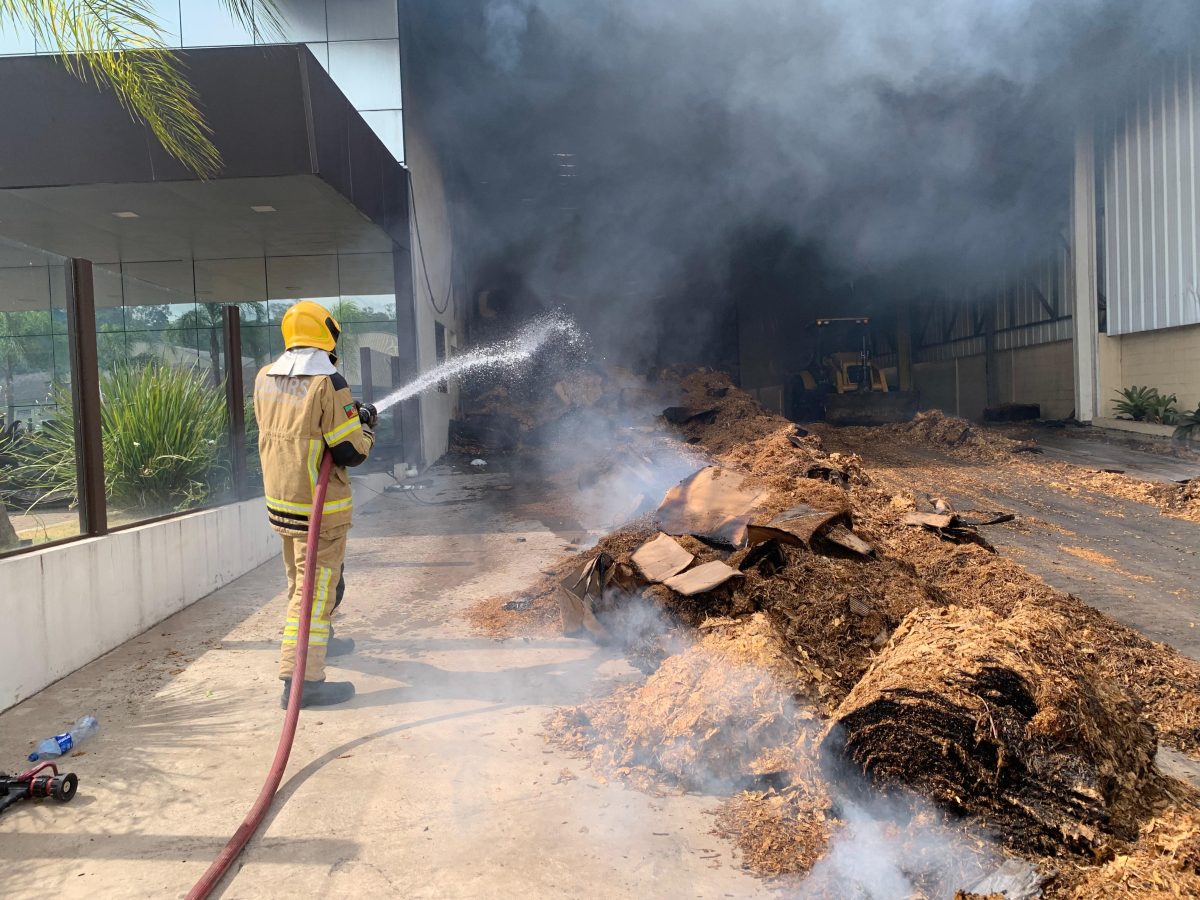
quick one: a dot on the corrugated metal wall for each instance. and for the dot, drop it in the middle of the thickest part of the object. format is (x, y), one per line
(1029, 310)
(1152, 206)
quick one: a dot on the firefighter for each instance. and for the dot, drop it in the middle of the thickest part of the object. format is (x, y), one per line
(303, 406)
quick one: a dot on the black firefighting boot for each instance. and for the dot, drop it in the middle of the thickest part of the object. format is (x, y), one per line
(318, 693)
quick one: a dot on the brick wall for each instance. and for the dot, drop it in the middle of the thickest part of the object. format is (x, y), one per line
(1168, 359)
(1042, 374)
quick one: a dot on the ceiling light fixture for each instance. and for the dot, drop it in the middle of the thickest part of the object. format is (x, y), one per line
(263, 209)
(126, 215)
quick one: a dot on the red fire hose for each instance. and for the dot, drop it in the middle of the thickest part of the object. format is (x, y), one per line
(241, 837)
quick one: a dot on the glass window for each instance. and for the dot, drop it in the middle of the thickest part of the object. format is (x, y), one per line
(303, 20)
(367, 72)
(388, 125)
(205, 24)
(37, 423)
(291, 278)
(231, 280)
(163, 364)
(362, 20)
(164, 418)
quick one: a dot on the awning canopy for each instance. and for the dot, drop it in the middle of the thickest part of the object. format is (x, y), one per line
(302, 171)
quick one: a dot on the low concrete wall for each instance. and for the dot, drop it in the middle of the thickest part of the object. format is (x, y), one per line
(64, 606)
(1146, 428)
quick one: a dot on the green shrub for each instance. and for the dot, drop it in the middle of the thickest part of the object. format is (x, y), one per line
(1187, 427)
(163, 431)
(1162, 410)
(1146, 404)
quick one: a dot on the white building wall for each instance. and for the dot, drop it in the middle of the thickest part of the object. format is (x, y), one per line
(357, 41)
(1150, 196)
(434, 289)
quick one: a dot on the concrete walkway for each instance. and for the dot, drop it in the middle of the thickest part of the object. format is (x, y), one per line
(433, 782)
(1101, 449)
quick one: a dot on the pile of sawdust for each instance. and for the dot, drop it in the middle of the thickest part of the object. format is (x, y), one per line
(1166, 683)
(1003, 718)
(1164, 863)
(713, 718)
(933, 428)
(837, 612)
(709, 718)
(738, 417)
(779, 832)
(1077, 481)
(1182, 500)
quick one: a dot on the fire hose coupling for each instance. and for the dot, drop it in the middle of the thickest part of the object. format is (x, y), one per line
(34, 785)
(367, 414)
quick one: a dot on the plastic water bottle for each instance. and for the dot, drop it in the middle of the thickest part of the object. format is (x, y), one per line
(61, 744)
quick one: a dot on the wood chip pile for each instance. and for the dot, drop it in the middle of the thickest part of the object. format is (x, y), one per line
(719, 716)
(1004, 718)
(952, 670)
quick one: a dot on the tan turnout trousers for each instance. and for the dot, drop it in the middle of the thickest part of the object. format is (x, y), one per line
(331, 553)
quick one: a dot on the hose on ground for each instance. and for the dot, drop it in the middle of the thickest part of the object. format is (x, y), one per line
(241, 837)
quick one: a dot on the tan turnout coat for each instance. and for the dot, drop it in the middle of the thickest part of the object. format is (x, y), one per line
(298, 417)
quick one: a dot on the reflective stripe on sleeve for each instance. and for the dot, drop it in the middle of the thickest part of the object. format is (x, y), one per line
(343, 431)
(315, 448)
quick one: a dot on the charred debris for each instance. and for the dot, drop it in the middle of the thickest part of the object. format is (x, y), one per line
(814, 645)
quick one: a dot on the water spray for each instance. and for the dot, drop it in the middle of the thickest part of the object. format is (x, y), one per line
(510, 355)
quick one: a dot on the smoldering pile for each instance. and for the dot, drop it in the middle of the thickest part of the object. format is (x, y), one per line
(954, 672)
(1004, 718)
(721, 715)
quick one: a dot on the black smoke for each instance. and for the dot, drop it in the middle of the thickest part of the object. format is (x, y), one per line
(616, 156)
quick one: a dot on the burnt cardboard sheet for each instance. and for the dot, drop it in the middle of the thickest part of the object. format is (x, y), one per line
(713, 504)
(660, 558)
(703, 578)
(798, 526)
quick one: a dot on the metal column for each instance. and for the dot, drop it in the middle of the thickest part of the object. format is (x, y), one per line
(85, 396)
(904, 346)
(1083, 255)
(991, 369)
(235, 393)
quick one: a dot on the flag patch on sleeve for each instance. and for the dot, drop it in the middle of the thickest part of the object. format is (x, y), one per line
(351, 412)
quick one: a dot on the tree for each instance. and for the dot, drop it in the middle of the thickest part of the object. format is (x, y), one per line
(25, 347)
(118, 44)
(204, 318)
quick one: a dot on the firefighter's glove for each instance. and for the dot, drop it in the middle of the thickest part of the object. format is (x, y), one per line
(368, 415)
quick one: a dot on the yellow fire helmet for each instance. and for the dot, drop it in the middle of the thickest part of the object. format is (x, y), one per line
(309, 324)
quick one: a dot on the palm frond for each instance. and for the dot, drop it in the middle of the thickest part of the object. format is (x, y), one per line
(119, 44)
